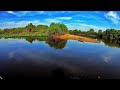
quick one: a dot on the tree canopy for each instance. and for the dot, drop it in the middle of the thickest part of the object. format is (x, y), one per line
(57, 28)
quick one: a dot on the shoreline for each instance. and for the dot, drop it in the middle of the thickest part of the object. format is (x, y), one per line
(74, 37)
(62, 37)
(23, 35)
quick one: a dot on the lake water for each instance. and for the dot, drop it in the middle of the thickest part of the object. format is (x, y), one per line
(41, 58)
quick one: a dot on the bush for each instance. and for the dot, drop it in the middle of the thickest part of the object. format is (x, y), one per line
(57, 28)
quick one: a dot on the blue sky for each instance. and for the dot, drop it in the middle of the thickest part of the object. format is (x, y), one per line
(82, 20)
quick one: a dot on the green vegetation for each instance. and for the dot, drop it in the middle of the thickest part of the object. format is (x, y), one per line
(22, 35)
(32, 30)
(57, 29)
(91, 33)
(109, 36)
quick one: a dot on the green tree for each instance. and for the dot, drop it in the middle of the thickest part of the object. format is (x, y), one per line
(30, 27)
(91, 31)
(57, 28)
(99, 34)
(0, 31)
(42, 27)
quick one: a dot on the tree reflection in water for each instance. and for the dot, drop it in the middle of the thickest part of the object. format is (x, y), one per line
(56, 43)
(60, 44)
(52, 42)
(111, 42)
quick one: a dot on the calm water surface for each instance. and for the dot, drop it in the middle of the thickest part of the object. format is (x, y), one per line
(28, 58)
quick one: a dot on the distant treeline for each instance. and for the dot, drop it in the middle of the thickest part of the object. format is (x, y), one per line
(107, 34)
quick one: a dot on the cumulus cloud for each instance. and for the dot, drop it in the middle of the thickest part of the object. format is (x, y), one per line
(113, 16)
(73, 21)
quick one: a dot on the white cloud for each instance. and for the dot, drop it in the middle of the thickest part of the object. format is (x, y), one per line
(41, 12)
(93, 27)
(66, 11)
(19, 13)
(57, 19)
(90, 16)
(14, 24)
(64, 18)
(52, 20)
(23, 13)
(84, 27)
(10, 12)
(96, 11)
(79, 21)
(72, 26)
(113, 16)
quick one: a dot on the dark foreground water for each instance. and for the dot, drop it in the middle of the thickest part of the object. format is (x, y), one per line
(41, 58)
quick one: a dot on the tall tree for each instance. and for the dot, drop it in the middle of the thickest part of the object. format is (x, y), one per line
(57, 28)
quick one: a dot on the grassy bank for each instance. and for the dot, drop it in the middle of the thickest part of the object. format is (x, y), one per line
(23, 35)
(62, 37)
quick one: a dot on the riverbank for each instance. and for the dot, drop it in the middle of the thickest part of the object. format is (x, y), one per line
(23, 35)
(75, 37)
(62, 37)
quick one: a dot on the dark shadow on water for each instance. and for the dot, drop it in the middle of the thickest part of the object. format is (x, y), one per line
(58, 74)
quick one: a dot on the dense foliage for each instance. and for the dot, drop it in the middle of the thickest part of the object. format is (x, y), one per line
(57, 28)
(54, 28)
(107, 34)
(110, 37)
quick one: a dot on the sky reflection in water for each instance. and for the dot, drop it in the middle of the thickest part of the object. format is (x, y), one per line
(20, 56)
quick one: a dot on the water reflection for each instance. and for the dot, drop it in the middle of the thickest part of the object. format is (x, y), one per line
(31, 39)
(111, 42)
(31, 57)
(60, 44)
(52, 42)
(56, 43)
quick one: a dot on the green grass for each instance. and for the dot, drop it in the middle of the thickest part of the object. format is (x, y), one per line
(23, 35)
